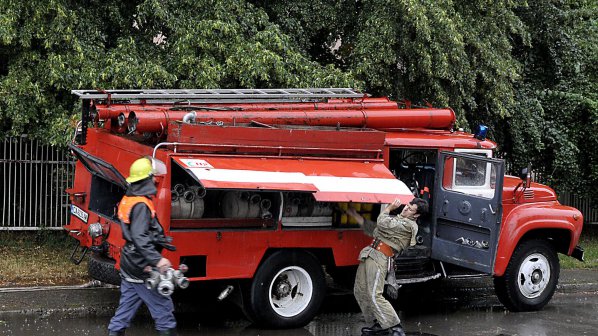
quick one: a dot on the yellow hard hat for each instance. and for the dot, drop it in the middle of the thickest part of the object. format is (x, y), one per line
(140, 169)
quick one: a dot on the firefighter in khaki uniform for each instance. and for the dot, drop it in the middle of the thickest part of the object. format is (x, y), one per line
(145, 239)
(391, 235)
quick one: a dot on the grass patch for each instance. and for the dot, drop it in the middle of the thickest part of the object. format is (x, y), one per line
(38, 258)
(589, 242)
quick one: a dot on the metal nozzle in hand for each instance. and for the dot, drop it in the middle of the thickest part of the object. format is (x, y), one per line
(165, 283)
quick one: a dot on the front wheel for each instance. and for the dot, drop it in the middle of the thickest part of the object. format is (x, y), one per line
(287, 290)
(531, 277)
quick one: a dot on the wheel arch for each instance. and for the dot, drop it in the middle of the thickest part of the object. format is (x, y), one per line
(559, 238)
(323, 255)
(557, 223)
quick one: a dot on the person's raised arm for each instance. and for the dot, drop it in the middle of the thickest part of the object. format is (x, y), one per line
(353, 213)
(367, 225)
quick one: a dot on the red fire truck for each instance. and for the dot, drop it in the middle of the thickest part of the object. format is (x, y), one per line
(258, 181)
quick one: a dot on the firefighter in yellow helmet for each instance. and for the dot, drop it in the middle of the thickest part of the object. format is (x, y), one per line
(145, 239)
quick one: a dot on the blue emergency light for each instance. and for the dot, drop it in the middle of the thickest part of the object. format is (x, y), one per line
(480, 132)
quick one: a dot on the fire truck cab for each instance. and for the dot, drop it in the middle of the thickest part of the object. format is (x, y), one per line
(259, 180)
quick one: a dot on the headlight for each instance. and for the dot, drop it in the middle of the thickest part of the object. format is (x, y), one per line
(95, 230)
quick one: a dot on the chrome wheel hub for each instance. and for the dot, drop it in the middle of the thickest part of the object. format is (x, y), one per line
(534, 275)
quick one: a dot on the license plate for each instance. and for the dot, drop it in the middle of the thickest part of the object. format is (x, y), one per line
(79, 213)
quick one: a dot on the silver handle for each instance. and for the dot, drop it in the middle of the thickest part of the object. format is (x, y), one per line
(491, 210)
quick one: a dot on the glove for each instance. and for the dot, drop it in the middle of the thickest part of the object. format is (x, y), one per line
(392, 291)
(391, 287)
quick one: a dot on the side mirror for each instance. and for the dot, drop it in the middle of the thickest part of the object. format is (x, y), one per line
(526, 176)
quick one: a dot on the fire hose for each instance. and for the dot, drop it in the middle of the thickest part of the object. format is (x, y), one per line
(165, 283)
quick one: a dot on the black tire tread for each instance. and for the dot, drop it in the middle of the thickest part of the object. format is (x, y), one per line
(102, 269)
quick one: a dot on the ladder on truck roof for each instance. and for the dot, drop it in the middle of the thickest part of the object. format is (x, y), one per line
(220, 95)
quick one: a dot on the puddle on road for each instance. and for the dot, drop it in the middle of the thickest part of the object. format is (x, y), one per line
(325, 325)
(570, 314)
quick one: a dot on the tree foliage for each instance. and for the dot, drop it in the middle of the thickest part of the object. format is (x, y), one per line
(51, 47)
(556, 116)
(528, 69)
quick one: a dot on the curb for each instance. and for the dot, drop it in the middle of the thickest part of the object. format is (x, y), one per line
(577, 287)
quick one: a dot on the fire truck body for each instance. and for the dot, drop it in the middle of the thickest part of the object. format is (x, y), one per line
(258, 181)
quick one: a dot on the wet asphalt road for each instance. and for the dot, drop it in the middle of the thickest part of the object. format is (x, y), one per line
(427, 313)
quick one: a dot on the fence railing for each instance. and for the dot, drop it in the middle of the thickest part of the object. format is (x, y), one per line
(34, 179)
(583, 204)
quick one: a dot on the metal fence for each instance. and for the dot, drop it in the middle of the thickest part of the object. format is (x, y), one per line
(34, 179)
(583, 204)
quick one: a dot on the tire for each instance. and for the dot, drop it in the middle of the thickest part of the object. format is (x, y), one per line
(531, 277)
(102, 269)
(287, 290)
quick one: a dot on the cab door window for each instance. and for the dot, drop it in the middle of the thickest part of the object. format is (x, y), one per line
(472, 176)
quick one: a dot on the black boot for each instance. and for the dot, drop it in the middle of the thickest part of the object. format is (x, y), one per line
(116, 333)
(397, 330)
(169, 332)
(376, 329)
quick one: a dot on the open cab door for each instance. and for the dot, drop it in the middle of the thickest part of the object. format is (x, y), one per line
(467, 210)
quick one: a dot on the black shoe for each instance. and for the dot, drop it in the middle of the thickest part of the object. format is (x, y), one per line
(116, 333)
(169, 332)
(376, 329)
(376, 326)
(397, 330)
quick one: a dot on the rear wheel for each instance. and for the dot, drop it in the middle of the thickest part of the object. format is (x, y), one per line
(287, 290)
(531, 277)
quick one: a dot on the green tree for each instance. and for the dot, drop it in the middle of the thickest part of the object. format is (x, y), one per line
(527, 70)
(48, 48)
(555, 119)
(449, 53)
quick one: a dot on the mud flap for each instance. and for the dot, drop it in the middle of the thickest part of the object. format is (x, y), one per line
(578, 253)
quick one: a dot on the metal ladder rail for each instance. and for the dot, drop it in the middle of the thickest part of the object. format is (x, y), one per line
(220, 94)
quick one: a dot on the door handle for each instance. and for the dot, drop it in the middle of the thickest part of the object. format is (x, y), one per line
(445, 206)
(492, 210)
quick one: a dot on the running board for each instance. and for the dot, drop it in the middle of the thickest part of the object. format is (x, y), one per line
(418, 280)
(460, 276)
(466, 276)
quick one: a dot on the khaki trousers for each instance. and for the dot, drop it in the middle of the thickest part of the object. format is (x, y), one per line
(369, 286)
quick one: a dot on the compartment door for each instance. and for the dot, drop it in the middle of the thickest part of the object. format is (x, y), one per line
(467, 210)
(99, 168)
(330, 180)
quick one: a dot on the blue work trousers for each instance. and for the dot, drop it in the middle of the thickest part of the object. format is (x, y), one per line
(131, 297)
